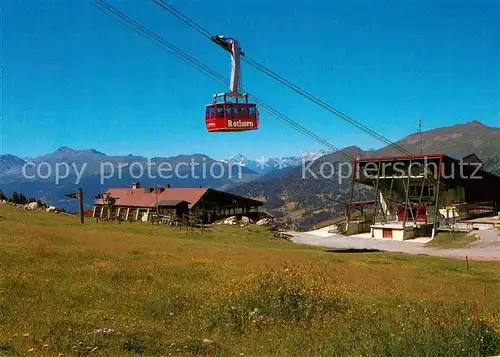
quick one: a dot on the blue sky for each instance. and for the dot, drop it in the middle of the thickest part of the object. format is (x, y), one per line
(73, 75)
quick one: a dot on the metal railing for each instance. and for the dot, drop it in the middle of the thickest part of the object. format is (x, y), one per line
(186, 222)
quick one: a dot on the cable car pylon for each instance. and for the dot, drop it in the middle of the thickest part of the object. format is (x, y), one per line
(227, 113)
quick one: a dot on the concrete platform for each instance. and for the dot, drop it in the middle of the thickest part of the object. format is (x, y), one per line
(481, 223)
(487, 247)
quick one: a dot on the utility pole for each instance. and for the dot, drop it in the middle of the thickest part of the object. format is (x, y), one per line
(420, 135)
(156, 203)
(80, 205)
(79, 196)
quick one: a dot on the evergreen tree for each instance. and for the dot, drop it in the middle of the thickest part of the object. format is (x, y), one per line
(22, 199)
(14, 198)
(2, 196)
(109, 201)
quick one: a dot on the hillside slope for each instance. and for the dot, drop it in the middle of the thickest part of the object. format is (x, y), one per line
(109, 289)
(472, 137)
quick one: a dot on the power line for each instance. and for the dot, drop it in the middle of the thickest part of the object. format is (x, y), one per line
(210, 72)
(203, 31)
(197, 27)
(325, 105)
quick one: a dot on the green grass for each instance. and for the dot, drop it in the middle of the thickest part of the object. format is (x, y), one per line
(112, 289)
(449, 240)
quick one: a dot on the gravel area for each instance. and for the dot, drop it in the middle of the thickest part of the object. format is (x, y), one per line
(487, 247)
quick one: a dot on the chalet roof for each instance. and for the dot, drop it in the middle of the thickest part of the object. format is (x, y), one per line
(170, 203)
(147, 197)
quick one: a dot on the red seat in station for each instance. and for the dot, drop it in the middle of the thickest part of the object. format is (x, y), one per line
(226, 117)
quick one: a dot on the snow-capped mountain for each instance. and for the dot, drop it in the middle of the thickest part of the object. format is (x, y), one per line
(236, 159)
(267, 164)
(242, 160)
(311, 156)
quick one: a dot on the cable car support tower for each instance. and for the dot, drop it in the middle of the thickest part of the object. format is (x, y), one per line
(233, 47)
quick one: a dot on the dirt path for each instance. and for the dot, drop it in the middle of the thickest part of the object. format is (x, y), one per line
(487, 247)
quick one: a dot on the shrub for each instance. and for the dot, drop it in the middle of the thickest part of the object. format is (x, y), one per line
(135, 344)
(291, 294)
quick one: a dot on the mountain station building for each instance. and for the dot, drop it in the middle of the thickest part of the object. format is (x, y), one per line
(207, 204)
(418, 195)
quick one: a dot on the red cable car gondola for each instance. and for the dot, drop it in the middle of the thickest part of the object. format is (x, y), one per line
(227, 116)
(233, 115)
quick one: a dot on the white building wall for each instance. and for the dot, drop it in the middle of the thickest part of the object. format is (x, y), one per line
(397, 233)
